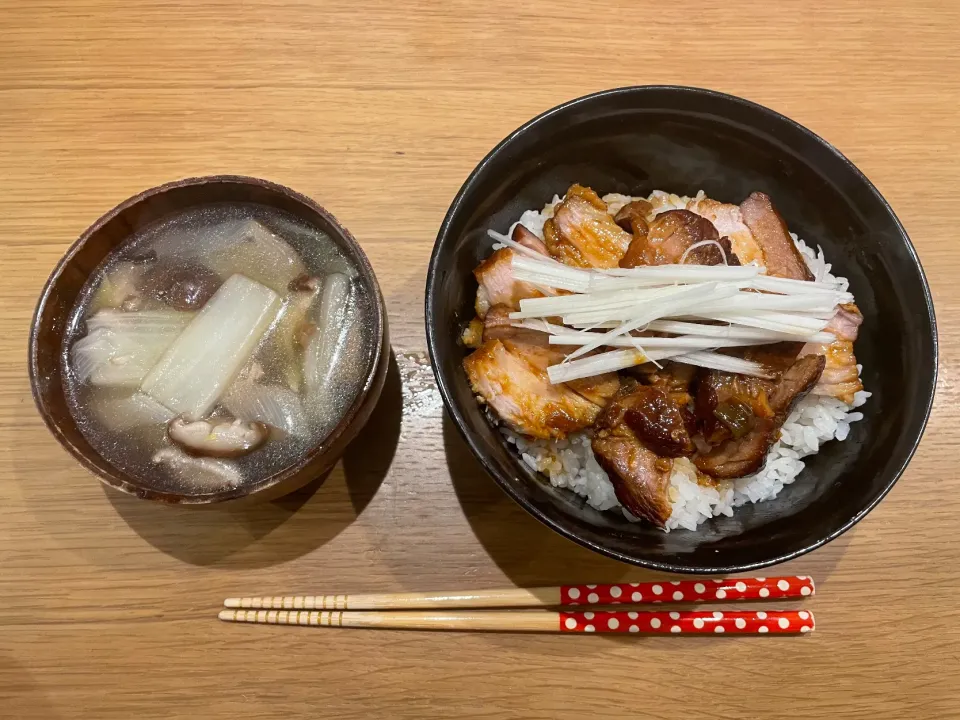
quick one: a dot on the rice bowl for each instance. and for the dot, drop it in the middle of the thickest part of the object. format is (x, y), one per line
(631, 140)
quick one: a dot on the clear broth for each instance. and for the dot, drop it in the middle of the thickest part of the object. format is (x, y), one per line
(192, 235)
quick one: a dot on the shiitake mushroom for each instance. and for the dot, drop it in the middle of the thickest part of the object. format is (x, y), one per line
(182, 286)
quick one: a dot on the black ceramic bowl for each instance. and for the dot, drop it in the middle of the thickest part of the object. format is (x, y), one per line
(634, 140)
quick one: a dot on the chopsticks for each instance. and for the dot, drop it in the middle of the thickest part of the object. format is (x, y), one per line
(621, 621)
(465, 610)
(727, 590)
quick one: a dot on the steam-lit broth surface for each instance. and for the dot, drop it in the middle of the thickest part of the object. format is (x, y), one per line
(172, 268)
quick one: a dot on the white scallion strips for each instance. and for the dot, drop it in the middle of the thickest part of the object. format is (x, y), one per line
(681, 299)
(213, 348)
(668, 274)
(676, 302)
(552, 274)
(686, 301)
(730, 332)
(121, 347)
(788, 286)
(505, 241)
(622, 359)
(718, 335)
(795, 325)
(602, 363)
(750, 302)
(631, 341)
(599, 302)
(717, 361)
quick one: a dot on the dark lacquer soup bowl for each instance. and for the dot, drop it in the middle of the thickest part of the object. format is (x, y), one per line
(48, 354)
(682, 140)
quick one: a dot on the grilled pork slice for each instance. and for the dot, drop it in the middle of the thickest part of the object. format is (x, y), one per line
(511, 378)
(780, 254)
(582, 233)
(497, 325)
(755, 432)
(670, 235)
(840, 378)
(640, 477)
(499, 290)
(638, 436)
(673, 378)
(598, 389)
(656, 420)
(729, 223)
(725, 402)
(497, 286)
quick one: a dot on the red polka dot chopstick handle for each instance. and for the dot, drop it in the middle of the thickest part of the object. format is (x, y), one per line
(690, 622)
(728, 590)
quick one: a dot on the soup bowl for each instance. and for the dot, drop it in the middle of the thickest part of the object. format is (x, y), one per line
(66, 283)
(682, 140)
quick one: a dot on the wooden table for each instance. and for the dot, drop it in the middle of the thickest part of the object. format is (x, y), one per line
(107, 604)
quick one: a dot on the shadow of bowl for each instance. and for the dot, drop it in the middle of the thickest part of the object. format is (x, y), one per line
(531, 555)
(527, 552)
(264, 534)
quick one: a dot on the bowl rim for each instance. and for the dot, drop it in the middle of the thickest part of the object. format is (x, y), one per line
(474, 443)
(244, 490)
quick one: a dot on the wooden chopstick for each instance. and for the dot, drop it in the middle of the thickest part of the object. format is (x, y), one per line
(728, 590)
(689, 622)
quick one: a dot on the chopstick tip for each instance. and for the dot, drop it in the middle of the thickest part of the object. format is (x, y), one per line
(227, 615)
(232, 602)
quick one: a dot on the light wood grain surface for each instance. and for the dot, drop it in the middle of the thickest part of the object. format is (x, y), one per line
(108, 604)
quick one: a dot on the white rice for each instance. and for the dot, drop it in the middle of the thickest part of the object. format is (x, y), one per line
(815, 419)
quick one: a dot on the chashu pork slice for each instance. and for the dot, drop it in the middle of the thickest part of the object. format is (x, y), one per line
(640, 477)
(636, 439)
(841, 378)
(728, 221)
(497, 285)
(582, 233)
(598, 389)
(757, 430)
(780, 254)
(511, 379)
(675, 236)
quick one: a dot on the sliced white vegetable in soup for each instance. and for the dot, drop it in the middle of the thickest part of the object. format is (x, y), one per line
(194, 372)
(130, 411)
(273, 405)
(327, 342)
(288, 339)
(259, 254)
(121, 347)
(207, 473)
